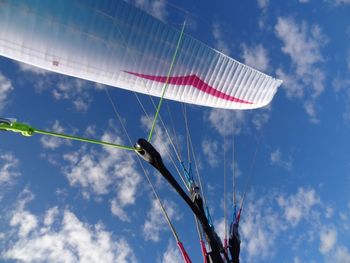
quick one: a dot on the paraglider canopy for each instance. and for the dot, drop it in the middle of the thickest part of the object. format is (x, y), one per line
(123, 47)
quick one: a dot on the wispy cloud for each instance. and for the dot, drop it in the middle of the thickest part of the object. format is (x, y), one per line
(32, 69)
(298, 206)
(74, 90)
(262, 20)
(277, 159)
(328, 239)
(261, 117)
(302, 44)
(155, 222)
(59, 236)
(99, 172)
(220, 43)
(341, 85)
(341, 255)
(226, 122)
(263, 3)
(52, 143)
(155, 8)
(171, 255)
(117, 209)
(61, 87)
(256, 57)
(9, 168)
(211, 151)
(260, 227)
(267, 219)
(5, 89)
(9, 172)
(340, 2)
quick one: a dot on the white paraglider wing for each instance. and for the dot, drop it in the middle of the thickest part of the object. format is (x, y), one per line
(113, 43)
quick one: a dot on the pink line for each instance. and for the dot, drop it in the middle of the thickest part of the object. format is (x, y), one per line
(184, 254)
(192, 80)
(204, 251)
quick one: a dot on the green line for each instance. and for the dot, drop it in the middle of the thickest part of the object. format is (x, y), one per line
(27, 130)
(76, 138)
(167, 81)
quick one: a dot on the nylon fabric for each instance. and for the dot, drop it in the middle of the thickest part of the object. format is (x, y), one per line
(95, 40)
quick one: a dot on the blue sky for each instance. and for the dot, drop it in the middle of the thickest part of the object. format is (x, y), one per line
(65, 201)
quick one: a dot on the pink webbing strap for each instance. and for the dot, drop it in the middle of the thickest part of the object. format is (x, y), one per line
(239, 215)
(184, 253)
(225, 244)
(204, 251)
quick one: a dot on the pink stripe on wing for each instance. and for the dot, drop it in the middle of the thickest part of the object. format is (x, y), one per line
(192, 80)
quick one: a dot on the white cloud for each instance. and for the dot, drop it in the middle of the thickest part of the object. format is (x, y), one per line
(74, 90)
(220, 44)
(63, 88)
(261, 117)
(32, 69)
(341, 86)
(226, 122)
(25, 221)
(341, 2)
(298, 207)
(5, 89)
(62, 237)
(328, 239)
(262, 20)
(329, 212)
(260, 227)
(172, 254)
(302, 44)
(256, 57)
(81, 104)
(304, 1)
(310, 109)
(292, 84)
(9, 168)
(154, 8)
(100, 171)
(155, 222)
(348, 60)
(52, 143)
(263, 3)
(211, 151)
(266, 225)
(118, 211)
(341, 255)
(51, 215)
(276, 159)
(275, 156)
